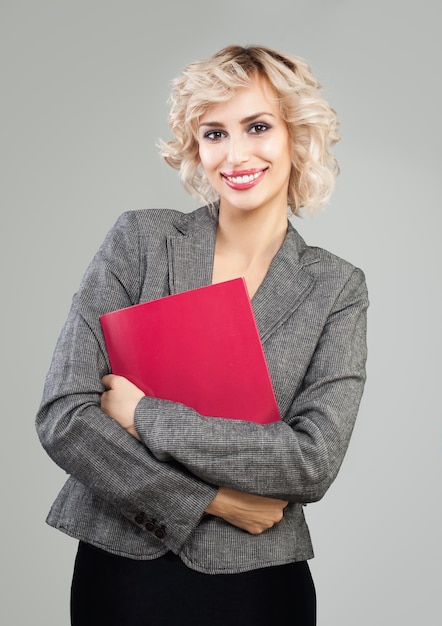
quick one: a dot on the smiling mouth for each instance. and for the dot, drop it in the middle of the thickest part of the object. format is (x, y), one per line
(244, 180)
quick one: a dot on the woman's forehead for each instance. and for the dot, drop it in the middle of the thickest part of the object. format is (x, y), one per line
(257, 97)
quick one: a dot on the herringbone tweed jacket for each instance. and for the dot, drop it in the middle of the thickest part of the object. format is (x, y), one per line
(140, 500)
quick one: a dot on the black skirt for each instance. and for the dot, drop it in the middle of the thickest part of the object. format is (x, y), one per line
(109, 590)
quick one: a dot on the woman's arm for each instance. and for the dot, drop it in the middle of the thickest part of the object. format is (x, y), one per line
(251, 513)
(76, 433)
(84, 442)
(296, 459)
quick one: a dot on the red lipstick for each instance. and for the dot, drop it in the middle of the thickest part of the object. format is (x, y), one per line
(243, 179)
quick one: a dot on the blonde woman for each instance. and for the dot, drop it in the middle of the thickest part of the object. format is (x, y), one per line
(181, 518)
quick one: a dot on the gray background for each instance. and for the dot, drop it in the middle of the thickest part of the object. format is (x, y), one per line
(84, 89)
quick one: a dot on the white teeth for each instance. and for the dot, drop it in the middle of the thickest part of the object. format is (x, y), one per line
(244, 179)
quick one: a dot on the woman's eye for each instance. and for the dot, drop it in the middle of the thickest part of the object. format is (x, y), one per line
(258, 128)
(214, 135)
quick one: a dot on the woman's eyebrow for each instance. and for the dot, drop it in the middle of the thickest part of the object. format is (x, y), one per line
(212, 124)
(245, 120)
(250, 118)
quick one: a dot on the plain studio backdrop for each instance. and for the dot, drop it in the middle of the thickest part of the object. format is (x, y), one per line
(84, 98)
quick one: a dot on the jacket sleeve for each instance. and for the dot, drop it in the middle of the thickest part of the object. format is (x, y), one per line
(84, 441)
(296, 459)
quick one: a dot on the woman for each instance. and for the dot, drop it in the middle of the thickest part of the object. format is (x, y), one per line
(183, 518)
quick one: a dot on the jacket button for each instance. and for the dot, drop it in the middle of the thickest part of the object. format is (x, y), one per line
(150, 525)
(139, 518)
(160, 533)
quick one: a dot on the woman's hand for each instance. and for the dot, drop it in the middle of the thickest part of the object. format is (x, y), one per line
(120, 400)
(255, 514)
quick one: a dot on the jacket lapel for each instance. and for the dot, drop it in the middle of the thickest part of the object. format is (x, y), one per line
(286, 285)
(191, 251)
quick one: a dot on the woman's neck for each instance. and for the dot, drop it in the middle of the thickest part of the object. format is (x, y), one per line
(251, 236)
(245, 246)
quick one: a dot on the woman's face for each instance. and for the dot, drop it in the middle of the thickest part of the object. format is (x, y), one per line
(244, 147)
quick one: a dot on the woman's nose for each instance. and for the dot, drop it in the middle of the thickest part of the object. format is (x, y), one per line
(239, 151)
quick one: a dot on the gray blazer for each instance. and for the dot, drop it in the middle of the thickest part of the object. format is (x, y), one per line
(140, 500)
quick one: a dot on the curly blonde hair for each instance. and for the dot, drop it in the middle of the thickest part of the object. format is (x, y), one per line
(311, 122)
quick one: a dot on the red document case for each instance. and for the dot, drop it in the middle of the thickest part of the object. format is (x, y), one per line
(199, 347)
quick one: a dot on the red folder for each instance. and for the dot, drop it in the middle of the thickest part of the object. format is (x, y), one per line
(199, 347)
